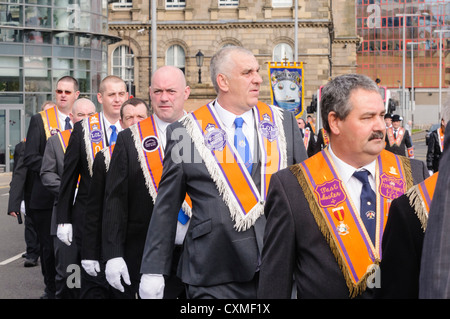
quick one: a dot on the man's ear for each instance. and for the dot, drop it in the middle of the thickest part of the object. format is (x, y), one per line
(222, 82)
(333, 122)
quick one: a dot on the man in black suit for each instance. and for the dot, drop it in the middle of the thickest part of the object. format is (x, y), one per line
(322, 237)
(436, 146)
(89, 136)
(42, 126)
(51, 172)
(398, 140)
(133, 111)
(20, 192)
(131, 193)
(217, 157)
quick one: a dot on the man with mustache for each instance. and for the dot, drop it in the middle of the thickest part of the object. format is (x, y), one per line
(326, 215)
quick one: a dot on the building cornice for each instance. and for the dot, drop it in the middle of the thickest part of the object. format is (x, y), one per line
(215, 25)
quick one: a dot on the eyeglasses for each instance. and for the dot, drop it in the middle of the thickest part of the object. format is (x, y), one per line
(62, 91)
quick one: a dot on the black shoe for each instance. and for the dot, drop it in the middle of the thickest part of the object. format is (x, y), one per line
(30, 263)
(24, 255)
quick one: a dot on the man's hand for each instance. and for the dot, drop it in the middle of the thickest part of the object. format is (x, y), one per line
(151, 286)
(64, 233)
(116, 268)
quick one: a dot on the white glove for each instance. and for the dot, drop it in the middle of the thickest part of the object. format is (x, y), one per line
(116, 268)
(64, 233)
(430, 172)
(92, 267)
(22, 207)
(151, 286)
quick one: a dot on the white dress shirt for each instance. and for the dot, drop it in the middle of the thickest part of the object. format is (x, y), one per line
(62, 120)
(228, 118)
(353, 185)
(107, 128)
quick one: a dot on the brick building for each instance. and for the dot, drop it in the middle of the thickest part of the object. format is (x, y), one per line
(327, 39)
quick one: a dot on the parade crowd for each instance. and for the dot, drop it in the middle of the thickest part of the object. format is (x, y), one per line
(235, 200)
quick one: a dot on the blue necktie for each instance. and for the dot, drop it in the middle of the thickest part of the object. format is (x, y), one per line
(68, 126)
(113, 138)
(182, 217)
(241, 144)
(368, 203)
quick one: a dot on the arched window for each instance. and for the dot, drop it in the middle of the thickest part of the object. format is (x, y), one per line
(175, 56)
(281, 52)
(123, 63)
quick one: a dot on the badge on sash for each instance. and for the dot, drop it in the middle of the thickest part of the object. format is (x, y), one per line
(216, 138)
(268, 129)
(96, 135)
(150, 143)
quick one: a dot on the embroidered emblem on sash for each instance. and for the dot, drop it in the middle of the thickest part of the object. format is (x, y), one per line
(330, 194)
(391, 187)
(216, 138)
(268, 129)
(96, 135)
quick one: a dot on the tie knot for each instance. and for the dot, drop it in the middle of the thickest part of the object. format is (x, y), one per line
(67, 119)
(238, 122)
(362, 176)
(113, 128)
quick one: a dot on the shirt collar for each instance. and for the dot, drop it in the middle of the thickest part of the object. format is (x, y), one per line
(346, 171)
(228, 118)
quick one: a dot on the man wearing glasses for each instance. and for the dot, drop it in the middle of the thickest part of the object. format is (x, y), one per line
(42, 126)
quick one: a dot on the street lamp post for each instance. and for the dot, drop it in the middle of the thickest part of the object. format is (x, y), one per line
(413, 101)
(404, 15)
(440, 71)
(199, 59)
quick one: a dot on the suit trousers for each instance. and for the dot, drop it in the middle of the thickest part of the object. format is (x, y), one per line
(64, 256)
(232, 290)
(31, 239)
(41, 221)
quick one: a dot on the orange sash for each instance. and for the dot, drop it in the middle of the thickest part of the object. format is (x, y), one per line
(326, 138)
(93, 137)
(441, 138)
(306, 138)
(151, 154)
(339, 220)
(51, 121)
(420, 197)
(232, 179)
(390, 134)
(64, 137)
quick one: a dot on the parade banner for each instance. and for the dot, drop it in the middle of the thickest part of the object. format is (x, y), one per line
(286, 86)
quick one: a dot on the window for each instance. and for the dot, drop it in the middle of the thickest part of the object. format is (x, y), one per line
(123, 63)
(228, 3)
(122, 4)
(175, 4)
(175, 56)
(283, 53)
(281, 3)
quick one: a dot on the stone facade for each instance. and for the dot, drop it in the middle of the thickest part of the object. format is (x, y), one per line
(327, 39)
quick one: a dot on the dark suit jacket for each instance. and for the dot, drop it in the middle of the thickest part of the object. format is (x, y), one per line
(75, 164)
(435, 269)
(400, 149)
(434, 152)
(214, 251)
(92, 232)
(21, 181)
(128, 207)
(51, 171)
(402, 250)
(41, 197)
(294, 246)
